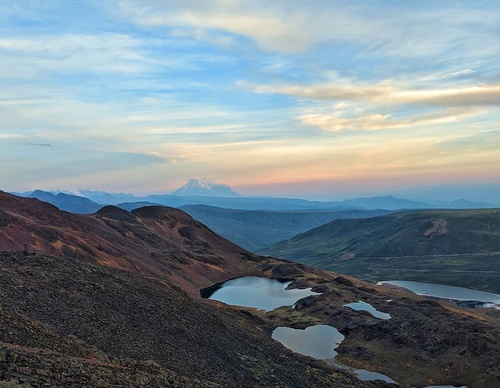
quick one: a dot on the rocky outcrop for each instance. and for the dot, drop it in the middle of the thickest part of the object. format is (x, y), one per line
(155, 241)
(71, 322)
(425, 342)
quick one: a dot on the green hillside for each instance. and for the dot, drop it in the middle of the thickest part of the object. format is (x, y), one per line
(255, 229)
(456, 247)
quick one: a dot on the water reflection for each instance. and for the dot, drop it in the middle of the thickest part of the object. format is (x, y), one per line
(366, 375)
(363, 306)
(318, 341)
(445, 386)
(262, 293)
(446, 292)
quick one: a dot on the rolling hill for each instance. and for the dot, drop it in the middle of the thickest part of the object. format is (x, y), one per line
(253, 230)
(456, 247)
(151, 240)
(113, 299)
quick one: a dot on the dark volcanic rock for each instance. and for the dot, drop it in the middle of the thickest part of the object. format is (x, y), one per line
(435, 343)
(71, 322)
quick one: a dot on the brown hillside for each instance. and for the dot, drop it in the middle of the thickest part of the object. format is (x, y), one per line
(74, 312)
(155, 241)
(72, 323)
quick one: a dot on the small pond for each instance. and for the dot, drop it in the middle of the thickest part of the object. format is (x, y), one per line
(261, 293)
(445, 386)
(486, 299)
(363, 306)
(321, 342)
(366, 375)
(318, 341)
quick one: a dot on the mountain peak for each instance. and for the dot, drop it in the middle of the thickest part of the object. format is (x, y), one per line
(205, 187)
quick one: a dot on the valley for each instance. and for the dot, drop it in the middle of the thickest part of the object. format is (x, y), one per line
(114, 298)
(454, 247)
(256, 229)
(249, 194)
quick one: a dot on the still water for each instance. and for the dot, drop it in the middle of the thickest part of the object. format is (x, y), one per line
(446, 292)
(363, 306)
(261, 293)
(366, 375)
(318, 341)
(321, 342)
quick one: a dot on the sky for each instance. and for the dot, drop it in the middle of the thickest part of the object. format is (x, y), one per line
(291, 98)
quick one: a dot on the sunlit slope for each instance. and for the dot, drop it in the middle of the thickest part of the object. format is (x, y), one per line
(157, 241)
(459, 247)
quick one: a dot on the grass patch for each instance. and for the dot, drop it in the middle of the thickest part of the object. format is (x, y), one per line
(493, 314)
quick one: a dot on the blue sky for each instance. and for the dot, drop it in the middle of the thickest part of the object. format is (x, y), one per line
(289, 98)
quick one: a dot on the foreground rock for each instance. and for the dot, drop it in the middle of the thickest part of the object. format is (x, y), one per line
(425, 342)
(71, 322)
(113, 299)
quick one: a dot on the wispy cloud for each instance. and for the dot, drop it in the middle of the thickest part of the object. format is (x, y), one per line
(101, 53)
(292, 26)
(241, 90)
(10, 136)
(338, 121)
(387, 92)
(40, 144)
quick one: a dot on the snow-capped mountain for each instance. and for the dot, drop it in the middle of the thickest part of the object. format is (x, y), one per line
(205, 187)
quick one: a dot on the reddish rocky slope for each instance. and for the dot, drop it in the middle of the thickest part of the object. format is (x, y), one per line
(156, 241)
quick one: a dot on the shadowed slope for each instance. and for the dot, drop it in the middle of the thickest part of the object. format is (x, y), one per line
(67, 202)
(458, 246)
(73, 323)
(254, 229)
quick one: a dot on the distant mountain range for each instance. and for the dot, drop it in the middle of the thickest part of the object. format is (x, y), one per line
(457, 247)
(67, 202)
(113, 299)
(205, 187)
(254, 229)
(386, 202)
(222, 196)
(476, 193)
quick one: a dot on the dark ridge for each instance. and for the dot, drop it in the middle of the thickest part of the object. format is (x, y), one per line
(116, 213)
(160, 212)
(14, 202)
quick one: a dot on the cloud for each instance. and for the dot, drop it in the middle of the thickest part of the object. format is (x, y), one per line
(10, 136)
(337, 121)
(40, 144)
(412, 30)
(25, 57)
(269, 29)
(150, 87)
(387, 92)
(464, 96)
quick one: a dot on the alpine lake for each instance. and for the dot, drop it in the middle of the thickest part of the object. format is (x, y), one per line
(321, 341)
